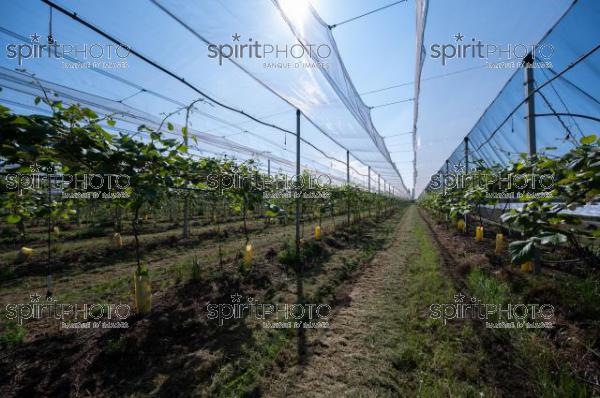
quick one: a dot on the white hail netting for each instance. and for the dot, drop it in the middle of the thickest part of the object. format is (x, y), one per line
(326, 96)
(421, 20)
(568, 95)
(20, 84)
(174, 35)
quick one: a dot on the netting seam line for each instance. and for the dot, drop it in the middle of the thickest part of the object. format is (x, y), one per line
(199, 36)
(206, 41)
(262, 84)
(423, 80)
(182, 80)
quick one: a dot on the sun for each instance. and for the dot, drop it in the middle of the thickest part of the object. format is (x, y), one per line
(296, 11)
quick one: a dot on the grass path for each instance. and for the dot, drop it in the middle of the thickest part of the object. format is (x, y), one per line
(384, 343)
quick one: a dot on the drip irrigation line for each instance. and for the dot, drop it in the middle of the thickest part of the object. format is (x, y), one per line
(364, 15)
(392, 103)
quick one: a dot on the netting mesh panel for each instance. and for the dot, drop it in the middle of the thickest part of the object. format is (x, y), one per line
(501, 132)
(22, 87)
(152, 93)
(326, 96)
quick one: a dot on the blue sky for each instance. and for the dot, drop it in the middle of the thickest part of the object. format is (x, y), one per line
(378, 51)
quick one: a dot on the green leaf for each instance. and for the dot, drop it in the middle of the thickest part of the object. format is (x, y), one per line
(553, 239)
(170, 126)
(588, 140)
(13, 218)
(37, 100)
(521, 251)
(20, 120)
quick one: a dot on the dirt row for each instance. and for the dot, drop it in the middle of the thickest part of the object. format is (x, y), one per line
(176, 351)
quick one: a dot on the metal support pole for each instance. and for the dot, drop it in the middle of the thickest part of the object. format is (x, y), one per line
(298, 183)
(269, 167)
(301, 343)
(186, 202)
(531, 138)
(369, 179)
(348, 183)
(467, 155)
(529, 84)
(378, 184)
(447, 172)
